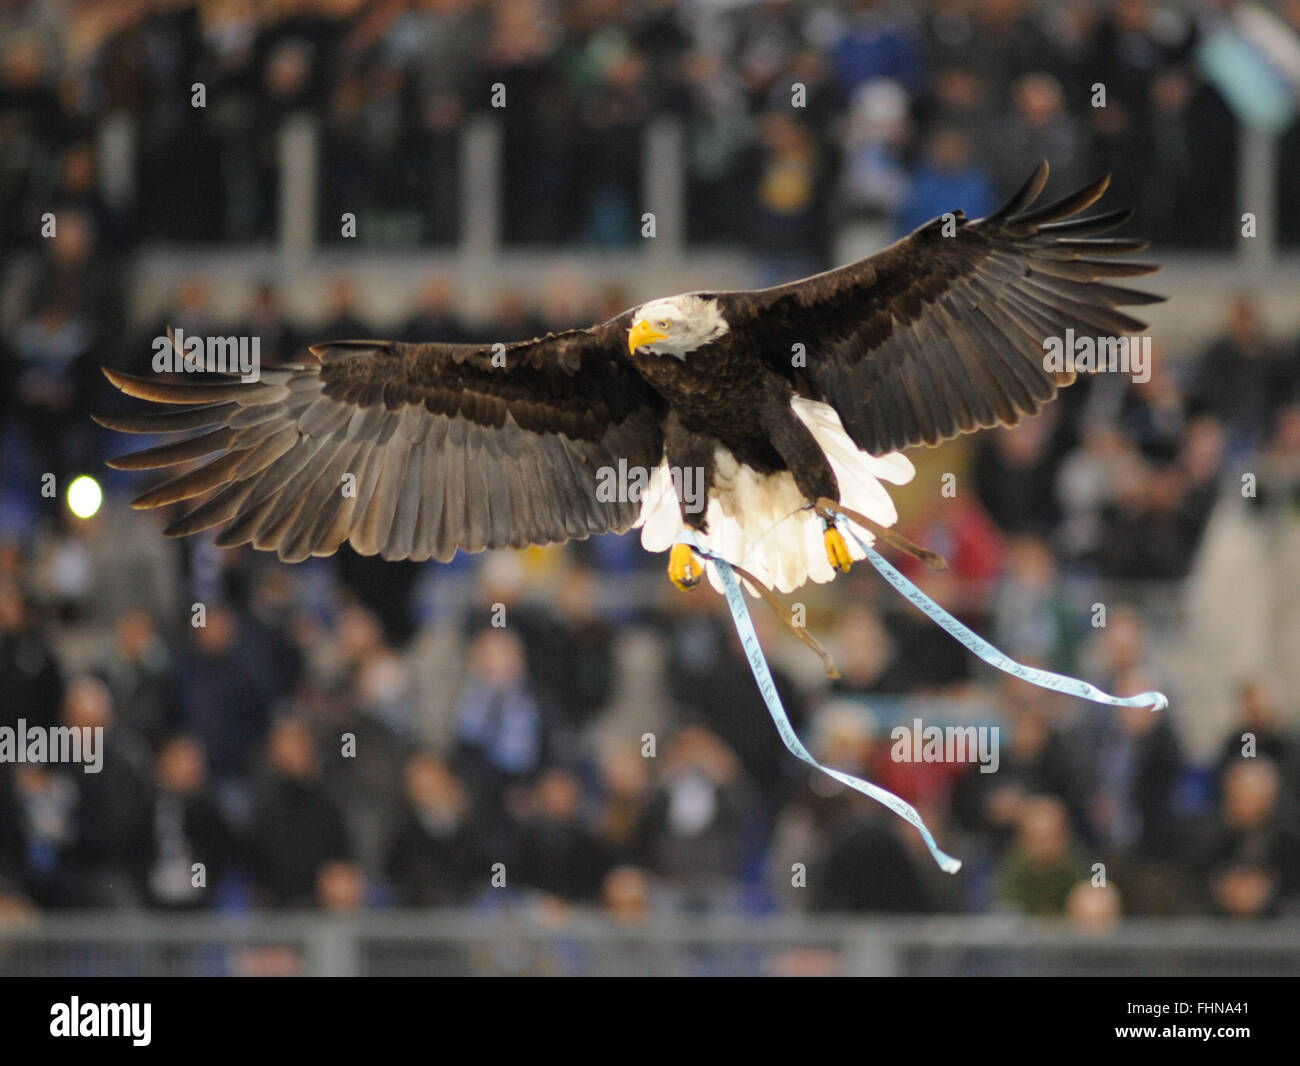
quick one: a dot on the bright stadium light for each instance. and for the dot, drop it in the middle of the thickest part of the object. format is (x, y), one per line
(84, 496)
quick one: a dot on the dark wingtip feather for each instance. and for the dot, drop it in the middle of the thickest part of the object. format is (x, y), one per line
(1026, 195)
(119, 380)
(1101, 223)
(182, 393)
(1102, 245)
(179, 421)
(181, 451)
(1070, 204)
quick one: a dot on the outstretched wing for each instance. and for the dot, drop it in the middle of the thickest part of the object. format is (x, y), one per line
(409, 451)
(943, 332)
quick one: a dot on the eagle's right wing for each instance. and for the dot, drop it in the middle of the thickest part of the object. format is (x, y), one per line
(447, 446)
(943, 332)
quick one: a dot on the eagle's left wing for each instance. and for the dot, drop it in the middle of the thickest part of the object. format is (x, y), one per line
(409, 451)
(943, 332)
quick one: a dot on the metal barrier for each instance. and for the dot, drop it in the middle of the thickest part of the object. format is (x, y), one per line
(532, 942)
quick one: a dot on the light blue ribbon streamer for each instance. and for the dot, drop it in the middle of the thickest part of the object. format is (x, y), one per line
(1071, 686)
(767, 687)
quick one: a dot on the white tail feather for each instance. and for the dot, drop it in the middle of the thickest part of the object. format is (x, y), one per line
(761, 522)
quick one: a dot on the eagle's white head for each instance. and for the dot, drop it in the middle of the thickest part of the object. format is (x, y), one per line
(676, 325)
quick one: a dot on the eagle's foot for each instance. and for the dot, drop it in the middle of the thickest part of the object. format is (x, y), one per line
(837, 550)
(684, 567)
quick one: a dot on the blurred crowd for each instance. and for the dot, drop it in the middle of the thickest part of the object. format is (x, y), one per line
(800, 116)
(353, 734)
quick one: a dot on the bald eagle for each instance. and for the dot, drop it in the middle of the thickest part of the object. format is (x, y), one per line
(780, 402)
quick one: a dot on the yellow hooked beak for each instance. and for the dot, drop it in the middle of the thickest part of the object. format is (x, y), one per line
(643, 333)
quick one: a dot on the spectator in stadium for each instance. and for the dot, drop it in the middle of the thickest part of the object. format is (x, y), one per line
(1243, 376)
(625, 785)
(611, 115)
(948, 174)
(520, 56)
(71, 319)
(1096, 908)
(191, 846)
(961, 98)
(567, 301)
(873, 181)
(878, 40)
(435, 857)
(30, 675)
(267, 320)
(788, 172)
(1040, 127)
(1127, 53)
(626, 895)
(1138, 766)
(830, 852)
(1040, 871)
(960, 530)
(511, 319)
(1252, 863)
(1275, 513)
(271, 609)
(1154, 412)
(1013, 473)
(361, 699)
(1104, 467)
(559, 854)
(343, 320)
(695, 822)
(226, 699)
(111, 815)
(434, 318)
(35, 124)
(868, 658)
(866, 867)
(1002, 39)
(40, 804)
(716, 115)
(296, 828)
(1258, 732)
(340, 888)
(1034, 760)
(501, 730)
(1032, 620)
(711, 687)
(571, 650)
(1153, 526)
(811, 84)
(137, 667)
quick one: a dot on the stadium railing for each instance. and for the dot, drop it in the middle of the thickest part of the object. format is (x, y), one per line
(540, 941)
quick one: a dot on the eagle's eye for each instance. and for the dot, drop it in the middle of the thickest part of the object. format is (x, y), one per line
(664, 324)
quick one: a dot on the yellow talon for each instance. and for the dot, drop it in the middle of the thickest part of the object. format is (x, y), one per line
(837, 550)
(684, 569)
